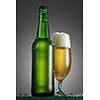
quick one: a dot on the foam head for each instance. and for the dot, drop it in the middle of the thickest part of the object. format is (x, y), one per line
(61, 39)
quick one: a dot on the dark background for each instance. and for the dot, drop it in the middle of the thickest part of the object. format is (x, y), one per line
(64, 15)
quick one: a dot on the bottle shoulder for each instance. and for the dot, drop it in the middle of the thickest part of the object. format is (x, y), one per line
(42, 41)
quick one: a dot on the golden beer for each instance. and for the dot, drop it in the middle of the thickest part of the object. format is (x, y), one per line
(62, 58)
(62, 62)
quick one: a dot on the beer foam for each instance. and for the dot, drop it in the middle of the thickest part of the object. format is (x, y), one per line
(61, 39)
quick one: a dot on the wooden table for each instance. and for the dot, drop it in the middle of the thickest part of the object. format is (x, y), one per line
(47, 98)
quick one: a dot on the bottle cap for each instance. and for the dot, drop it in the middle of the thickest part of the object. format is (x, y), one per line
(43, 7)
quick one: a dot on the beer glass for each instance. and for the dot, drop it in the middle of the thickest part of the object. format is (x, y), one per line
(62, 58)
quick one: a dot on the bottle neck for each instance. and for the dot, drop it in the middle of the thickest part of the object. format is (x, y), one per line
(43, 28)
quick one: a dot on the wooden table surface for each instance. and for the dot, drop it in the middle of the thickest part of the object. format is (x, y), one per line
(47, 98)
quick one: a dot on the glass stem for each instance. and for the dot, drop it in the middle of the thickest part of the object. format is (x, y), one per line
(60, 86)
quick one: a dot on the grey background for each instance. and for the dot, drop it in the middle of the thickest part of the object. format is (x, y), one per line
(64, 15)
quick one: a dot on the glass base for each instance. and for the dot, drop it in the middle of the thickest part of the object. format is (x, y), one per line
(60, 93)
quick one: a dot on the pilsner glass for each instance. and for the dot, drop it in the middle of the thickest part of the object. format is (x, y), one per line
(62, 58)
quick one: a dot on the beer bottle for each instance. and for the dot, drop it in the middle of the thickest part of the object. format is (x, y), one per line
(42, 58)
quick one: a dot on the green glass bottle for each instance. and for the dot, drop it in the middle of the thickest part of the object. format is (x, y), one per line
(42, 58)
